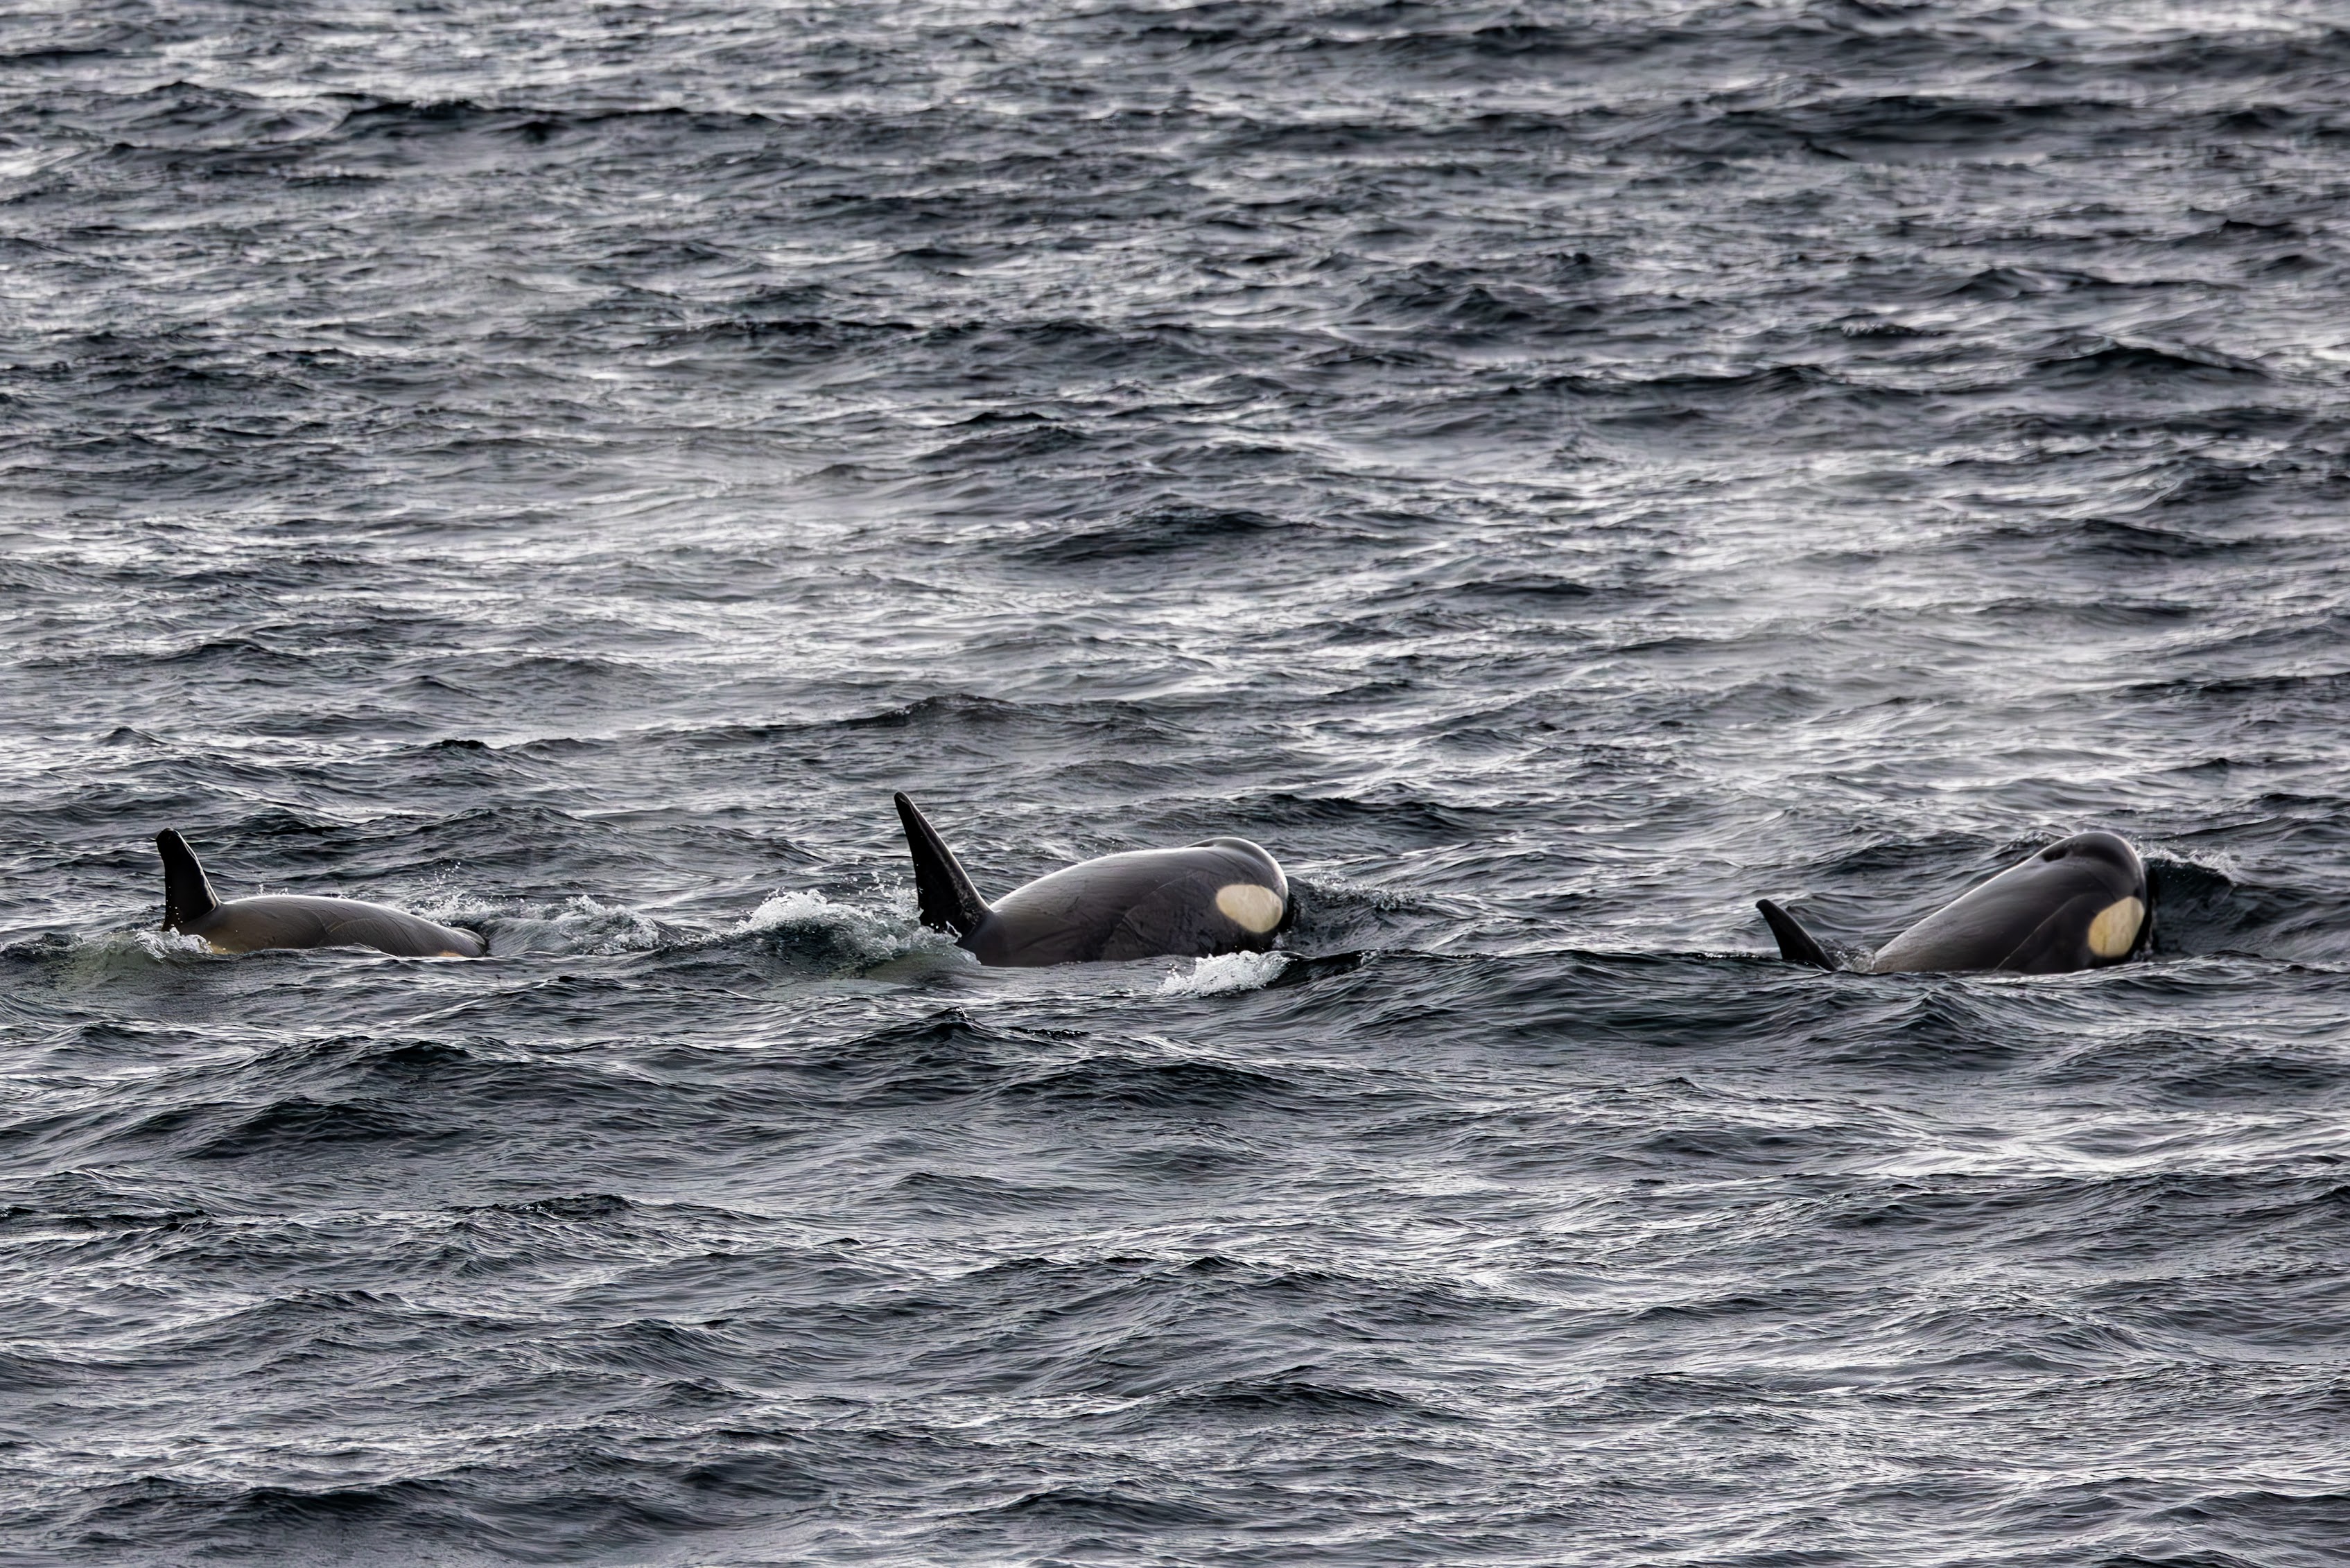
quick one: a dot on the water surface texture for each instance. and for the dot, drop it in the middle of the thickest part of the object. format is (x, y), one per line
(1554, 473)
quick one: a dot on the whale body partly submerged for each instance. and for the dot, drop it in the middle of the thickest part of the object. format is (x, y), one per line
(2081, 903)
(293, 920)
(1223, 895)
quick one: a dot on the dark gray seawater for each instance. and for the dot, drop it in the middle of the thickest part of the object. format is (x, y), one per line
(1552, 472)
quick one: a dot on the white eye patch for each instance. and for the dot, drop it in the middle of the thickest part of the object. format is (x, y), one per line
(2114, 930)
(1257, 910)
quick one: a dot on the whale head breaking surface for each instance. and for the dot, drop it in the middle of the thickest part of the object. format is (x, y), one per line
(1222, 895)
(2083, 902)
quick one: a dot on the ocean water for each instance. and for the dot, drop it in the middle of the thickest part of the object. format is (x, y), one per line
(1552, 473)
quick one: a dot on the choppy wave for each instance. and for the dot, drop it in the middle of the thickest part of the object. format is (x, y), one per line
(1553, 473)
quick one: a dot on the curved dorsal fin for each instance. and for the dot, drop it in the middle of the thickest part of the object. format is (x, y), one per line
(949, 902)
(187, 892)
(1796, 945)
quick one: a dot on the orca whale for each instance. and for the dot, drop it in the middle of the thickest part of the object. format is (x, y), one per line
(2081, 903)
(1223, 895)
(291, 921)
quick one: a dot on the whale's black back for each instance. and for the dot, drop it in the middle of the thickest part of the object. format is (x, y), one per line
(2038, 917)
(1223, 895)
(1149, 903)
(2082, 903)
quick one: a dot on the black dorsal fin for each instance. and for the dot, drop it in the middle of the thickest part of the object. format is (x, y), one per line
(1796, 945)
(949, 901)
(187, 892)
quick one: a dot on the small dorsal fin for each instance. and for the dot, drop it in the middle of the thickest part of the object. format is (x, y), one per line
(187, 893)
(949, 902)
(1796, 945)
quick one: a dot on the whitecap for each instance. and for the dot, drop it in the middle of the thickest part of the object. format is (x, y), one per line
(1224, 975)
(860, 936)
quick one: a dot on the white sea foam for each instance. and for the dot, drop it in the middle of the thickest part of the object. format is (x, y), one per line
(1230, 973)
(157, 942)
(580, 924)
(782, 909)
(862, 935)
